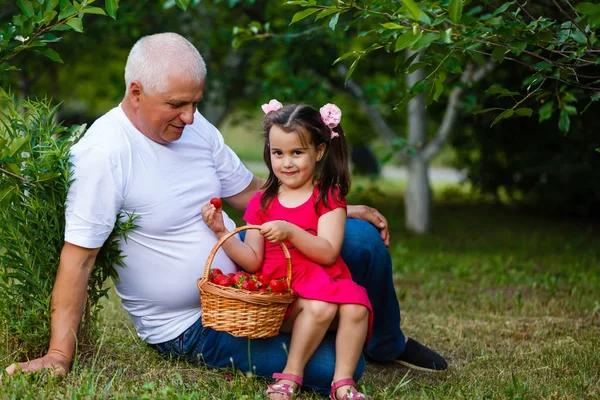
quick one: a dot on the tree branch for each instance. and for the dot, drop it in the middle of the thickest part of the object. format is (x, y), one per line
(469, 76)
(372, 112)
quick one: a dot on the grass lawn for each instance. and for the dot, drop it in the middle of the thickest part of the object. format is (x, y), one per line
(512, 300)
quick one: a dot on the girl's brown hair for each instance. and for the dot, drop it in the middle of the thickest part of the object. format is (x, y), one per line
(331, 171)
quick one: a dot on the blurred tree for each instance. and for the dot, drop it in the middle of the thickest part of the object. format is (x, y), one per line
(554, 41)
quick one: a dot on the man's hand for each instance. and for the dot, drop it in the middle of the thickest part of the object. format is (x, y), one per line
(373, 216)
(56, 364)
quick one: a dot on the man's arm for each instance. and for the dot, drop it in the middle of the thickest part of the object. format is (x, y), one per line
(240, 201)
(68, 297)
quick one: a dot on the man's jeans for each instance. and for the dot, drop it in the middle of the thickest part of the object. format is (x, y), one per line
(370, 264)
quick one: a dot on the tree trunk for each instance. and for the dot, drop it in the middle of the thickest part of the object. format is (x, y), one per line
(418, 192)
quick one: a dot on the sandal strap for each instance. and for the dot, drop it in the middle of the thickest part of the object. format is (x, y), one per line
(288, 377)
(342, 382)
(352, 394)
(281, 388)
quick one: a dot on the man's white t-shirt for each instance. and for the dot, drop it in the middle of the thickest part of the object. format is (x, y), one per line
(117, 169)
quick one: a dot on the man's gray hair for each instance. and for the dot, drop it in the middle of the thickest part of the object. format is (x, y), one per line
(154, 58)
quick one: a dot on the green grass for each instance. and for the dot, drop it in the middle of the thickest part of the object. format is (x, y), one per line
(512, 300)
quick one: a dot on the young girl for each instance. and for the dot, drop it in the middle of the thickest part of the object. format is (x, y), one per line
(303, 204)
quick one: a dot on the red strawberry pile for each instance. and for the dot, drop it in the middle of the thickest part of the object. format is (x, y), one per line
(251, 282)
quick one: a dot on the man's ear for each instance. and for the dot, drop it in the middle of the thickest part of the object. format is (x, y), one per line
(135, 93)
(320, 151)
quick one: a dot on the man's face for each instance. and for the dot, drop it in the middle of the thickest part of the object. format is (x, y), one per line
(162, 115)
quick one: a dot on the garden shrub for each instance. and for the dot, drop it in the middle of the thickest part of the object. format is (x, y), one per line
(34, 179)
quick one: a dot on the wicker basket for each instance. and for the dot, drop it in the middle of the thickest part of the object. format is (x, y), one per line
(241, 312)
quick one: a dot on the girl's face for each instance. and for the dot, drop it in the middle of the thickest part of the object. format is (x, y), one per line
(293, 160)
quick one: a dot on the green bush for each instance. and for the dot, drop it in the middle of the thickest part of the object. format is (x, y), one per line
(34, 178)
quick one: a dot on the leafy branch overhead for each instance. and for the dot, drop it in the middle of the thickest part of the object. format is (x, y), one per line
(556, 42)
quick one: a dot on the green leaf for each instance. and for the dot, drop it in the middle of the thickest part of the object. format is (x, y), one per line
(486, 110)
(524, 112)
(344, 56)
(76, 24)
(446, 36)
(498, 54)
(351, 70)
(51, 54)
(546, 111)
(412, 8)
(452, 64)
(505, 114)
(578, 36)
(564, 122)
(407, 39)
(418, 65)
(67, 12)
(418, 87)
(111, 8)
(497, 89)
(26, 7)
(327, 12)
(502, 8)
(6, 193)
(439, 88)
(303, 14)
(424, 41)
(455, 10)
(182, 4)
(391, 25)
(587, 8)
(333, 22)
(94, 10)
(570, 110)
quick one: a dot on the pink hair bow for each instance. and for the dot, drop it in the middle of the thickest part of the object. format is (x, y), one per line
(331, 116)
(273, 105)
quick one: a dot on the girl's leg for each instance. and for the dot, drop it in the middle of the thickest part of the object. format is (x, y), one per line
(309, 321)
(352, 329)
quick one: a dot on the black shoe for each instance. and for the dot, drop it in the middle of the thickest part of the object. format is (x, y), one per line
(421, 358)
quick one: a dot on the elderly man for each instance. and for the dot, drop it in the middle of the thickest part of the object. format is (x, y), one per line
(155, 156)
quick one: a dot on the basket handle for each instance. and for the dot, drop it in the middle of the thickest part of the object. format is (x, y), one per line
(213, 252)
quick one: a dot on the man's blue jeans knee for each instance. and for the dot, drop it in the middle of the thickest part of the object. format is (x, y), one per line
(370, 263)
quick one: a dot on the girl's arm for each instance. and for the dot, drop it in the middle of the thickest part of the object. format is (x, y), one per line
(324, 248)
(248, 254)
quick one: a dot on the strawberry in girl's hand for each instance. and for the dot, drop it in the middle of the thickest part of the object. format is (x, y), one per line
(222, 280)
(215, 201)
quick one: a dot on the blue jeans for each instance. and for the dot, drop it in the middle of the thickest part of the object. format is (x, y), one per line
(370, 265)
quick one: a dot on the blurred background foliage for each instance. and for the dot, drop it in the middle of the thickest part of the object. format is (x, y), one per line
(516, 159)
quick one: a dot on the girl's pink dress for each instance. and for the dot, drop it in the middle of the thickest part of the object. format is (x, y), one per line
(310, 280)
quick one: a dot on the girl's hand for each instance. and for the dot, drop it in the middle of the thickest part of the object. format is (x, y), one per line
(276, 231)
(213, 218)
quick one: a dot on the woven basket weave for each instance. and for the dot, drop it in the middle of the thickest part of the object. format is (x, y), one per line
(242, 312)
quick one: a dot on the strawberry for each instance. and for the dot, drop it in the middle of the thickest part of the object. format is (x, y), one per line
(215, 201)
(214, 272)
(278, 286)
(263, 280)
(231, 275)
(222, 280)
(264, 290)
(250, 285)
(238, 280)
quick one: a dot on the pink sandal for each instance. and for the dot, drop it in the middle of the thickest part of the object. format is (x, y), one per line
(352, 394)
(284, 388)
